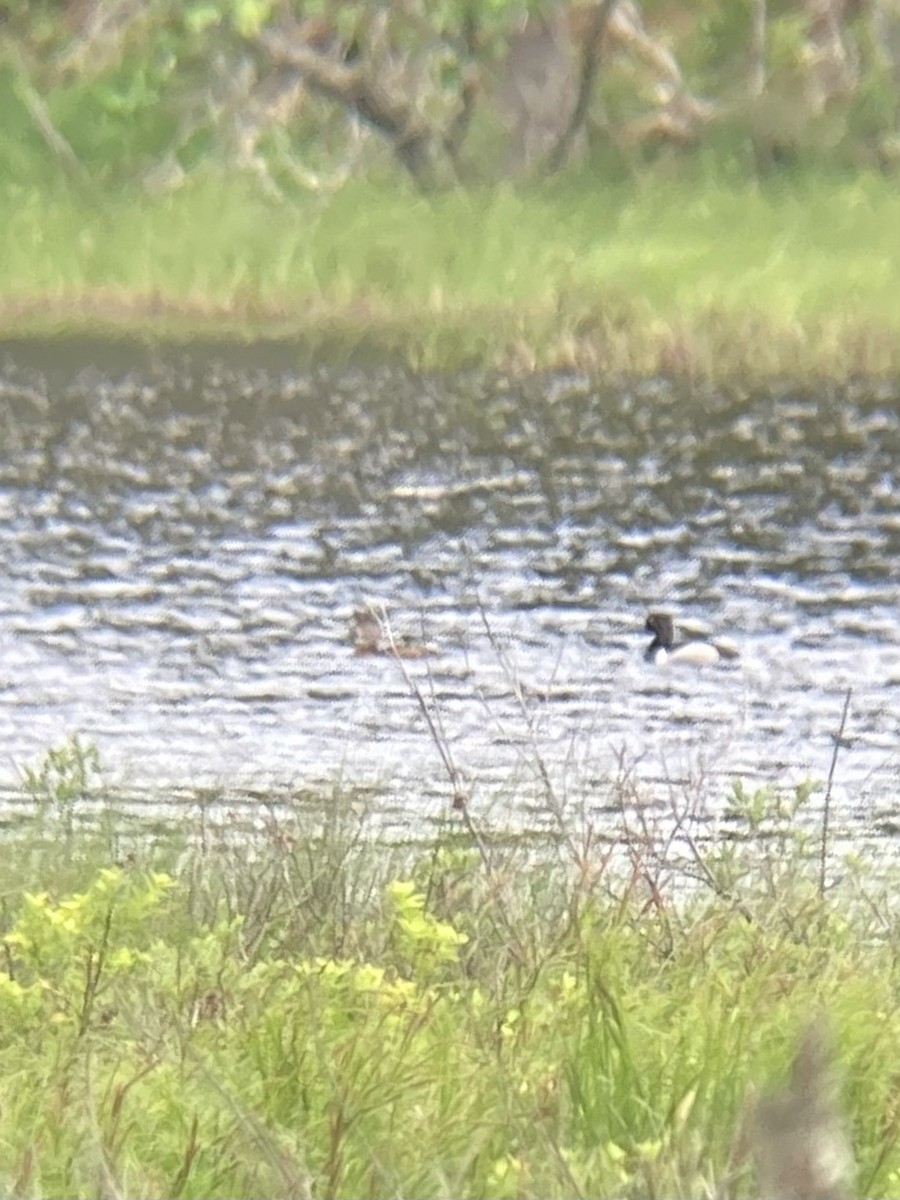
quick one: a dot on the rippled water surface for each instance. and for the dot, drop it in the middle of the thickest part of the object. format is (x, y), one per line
(184, 540)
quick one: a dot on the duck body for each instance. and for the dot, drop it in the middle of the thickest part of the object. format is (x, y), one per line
(696, 651)
(372, 635)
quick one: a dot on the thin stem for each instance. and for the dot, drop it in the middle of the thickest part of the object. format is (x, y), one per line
(826, 812)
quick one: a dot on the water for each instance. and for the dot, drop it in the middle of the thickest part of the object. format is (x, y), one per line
(185, 537)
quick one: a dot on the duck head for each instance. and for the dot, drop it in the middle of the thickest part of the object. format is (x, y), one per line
(662, 627)
(366, 632)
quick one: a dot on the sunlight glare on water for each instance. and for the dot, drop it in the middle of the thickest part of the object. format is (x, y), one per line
(185, 540)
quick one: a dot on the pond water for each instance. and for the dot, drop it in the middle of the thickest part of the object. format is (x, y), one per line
(186, 535)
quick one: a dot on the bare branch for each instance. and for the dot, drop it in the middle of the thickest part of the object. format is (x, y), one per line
(40, 115)
(98, 45)
(591, 53)
(355, 86)
(758, 49)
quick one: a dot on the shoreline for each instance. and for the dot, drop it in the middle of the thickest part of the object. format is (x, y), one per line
(602, 343)
(688, 279)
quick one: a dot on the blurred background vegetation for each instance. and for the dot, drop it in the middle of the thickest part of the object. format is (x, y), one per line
(307, 96)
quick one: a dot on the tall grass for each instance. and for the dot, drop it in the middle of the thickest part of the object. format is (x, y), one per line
(314, 1015)
(799, 273)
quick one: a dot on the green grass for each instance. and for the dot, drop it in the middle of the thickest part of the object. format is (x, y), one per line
(686, 276)
(310, 1014)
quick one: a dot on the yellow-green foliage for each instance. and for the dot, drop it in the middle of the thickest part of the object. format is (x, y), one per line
(515, 1029)
(59, 953)
(422, 940)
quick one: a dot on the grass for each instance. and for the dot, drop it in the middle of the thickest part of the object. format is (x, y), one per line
(313, 1015)
(686, 276)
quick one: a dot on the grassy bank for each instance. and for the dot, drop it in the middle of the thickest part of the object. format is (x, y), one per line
(798, 275)
(311, 1015)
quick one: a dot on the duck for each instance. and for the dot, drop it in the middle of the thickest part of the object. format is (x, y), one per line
(695, 651)
(372, 635)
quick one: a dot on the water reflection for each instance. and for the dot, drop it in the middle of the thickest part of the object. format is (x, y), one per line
(185, 540)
